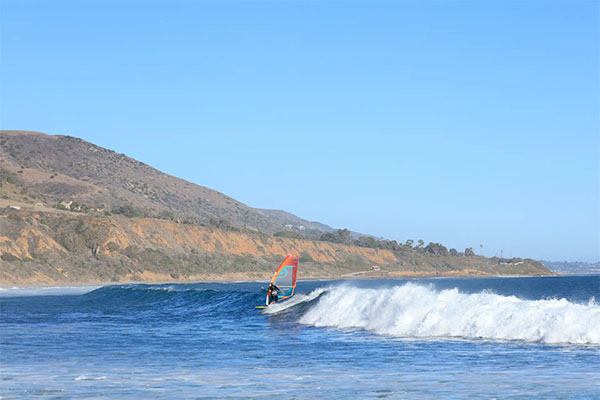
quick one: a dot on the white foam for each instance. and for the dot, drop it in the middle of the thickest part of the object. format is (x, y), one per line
(45, 290)
(90, 378)
(297, 299)
(415, 311)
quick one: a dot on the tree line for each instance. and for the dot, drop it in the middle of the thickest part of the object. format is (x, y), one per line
(344, 236)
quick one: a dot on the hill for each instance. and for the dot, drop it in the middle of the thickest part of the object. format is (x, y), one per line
(64, 170)
(44, 246)
(73, 212)
(573, 268)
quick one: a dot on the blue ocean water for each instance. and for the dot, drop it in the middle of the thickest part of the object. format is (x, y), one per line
(476, 338)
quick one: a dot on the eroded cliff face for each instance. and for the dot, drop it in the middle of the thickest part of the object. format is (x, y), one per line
(64, 247)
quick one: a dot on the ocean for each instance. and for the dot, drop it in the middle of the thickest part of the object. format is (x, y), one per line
(449, 338)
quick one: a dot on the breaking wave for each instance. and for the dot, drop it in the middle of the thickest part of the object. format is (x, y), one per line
(415, 311)
(296, 304)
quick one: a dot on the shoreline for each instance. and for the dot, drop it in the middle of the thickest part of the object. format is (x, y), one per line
(17, 286)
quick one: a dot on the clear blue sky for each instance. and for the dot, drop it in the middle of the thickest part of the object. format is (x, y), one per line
(465, 123)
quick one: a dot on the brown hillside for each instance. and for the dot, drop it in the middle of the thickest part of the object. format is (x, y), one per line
(35, 167)
(41, 247)
(73, 212)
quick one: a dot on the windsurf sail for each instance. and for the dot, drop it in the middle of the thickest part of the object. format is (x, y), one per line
(285, 277)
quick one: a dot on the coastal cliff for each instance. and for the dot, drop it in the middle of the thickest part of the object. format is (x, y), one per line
(73, 212)
(61, 247)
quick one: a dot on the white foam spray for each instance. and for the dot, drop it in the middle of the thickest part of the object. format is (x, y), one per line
(16, 291)
(275, 308)
(90, 378)
(415, 311)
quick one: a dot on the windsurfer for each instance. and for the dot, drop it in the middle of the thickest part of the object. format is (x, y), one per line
(273, 293)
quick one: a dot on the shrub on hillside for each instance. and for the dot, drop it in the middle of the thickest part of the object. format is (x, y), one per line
(288, 234)
(129, 211)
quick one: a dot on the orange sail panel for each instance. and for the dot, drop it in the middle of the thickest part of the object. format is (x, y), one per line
(285, 277)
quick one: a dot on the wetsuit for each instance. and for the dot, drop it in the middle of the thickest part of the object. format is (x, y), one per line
(273, 294)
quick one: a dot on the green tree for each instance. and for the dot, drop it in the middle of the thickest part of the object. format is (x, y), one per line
(340, 236)
(366, 241)
(305, 257)
(437, 249)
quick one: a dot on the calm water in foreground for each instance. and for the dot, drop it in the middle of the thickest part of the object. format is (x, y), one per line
(478, 338)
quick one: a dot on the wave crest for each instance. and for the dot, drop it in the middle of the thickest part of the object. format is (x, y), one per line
(415, 311)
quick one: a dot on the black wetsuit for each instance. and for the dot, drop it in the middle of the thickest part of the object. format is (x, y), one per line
(274, 294)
